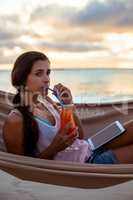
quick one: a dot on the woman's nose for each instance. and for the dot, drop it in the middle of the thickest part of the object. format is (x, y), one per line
(46, 79)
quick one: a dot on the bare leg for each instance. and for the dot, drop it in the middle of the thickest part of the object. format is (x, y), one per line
(125, 139)
(124, 154)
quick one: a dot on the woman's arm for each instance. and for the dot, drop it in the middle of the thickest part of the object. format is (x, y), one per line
(13, 134)
(61, 141)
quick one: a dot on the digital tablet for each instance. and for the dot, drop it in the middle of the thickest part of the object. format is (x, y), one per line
(105, 135)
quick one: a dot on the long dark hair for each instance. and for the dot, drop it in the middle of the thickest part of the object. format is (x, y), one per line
(21, 70)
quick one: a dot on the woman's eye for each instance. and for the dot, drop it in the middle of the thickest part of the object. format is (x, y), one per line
(41, 73)
(38, 73)
(48, 72)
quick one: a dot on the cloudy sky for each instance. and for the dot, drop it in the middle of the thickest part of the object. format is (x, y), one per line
(73, 33)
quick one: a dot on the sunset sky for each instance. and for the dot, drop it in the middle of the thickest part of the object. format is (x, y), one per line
(72, 33)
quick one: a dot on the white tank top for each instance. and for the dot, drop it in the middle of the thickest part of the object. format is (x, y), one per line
(47, 131)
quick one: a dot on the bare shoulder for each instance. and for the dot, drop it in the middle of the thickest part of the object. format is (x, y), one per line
(13, 119)
(13, 132)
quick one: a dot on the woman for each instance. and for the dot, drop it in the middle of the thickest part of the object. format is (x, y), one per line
(23, 131)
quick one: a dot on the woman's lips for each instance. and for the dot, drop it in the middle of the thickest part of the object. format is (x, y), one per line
(44, 90)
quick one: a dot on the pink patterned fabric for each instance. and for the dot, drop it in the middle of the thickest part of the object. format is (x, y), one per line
(78, 152)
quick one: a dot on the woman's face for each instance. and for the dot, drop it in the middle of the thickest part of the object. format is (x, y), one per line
(38, 80)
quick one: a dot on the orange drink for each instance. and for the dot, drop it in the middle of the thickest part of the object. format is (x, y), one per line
(66, 117)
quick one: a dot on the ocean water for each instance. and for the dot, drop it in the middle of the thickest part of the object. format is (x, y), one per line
(87, 85)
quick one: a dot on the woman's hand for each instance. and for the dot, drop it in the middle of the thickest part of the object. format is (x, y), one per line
(63, 139)
(64, 93)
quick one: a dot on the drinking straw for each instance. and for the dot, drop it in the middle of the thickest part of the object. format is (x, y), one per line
(56, 94)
